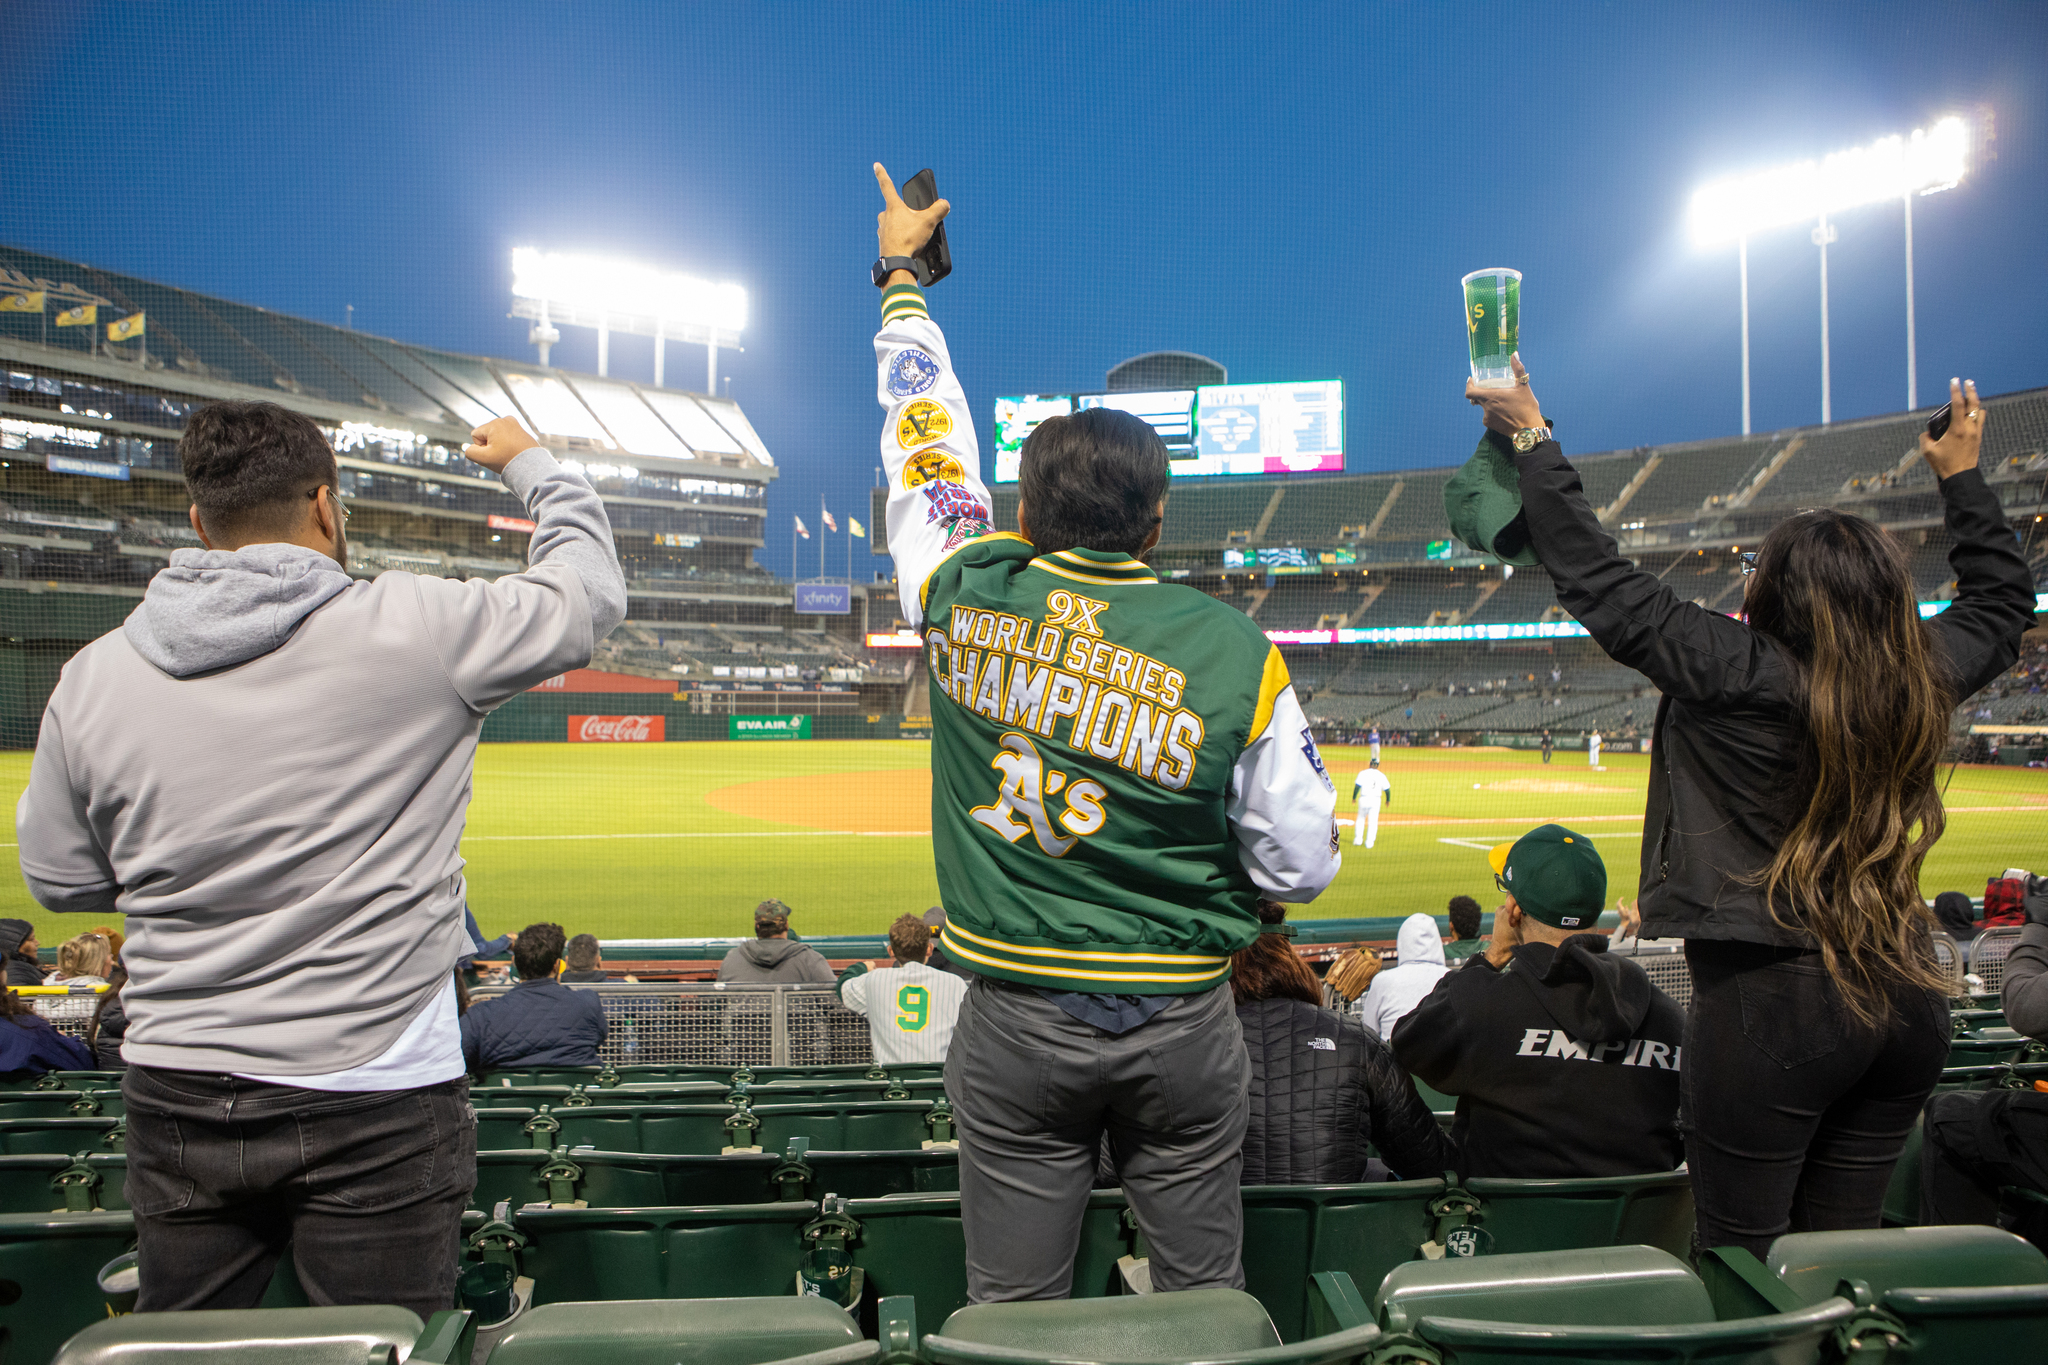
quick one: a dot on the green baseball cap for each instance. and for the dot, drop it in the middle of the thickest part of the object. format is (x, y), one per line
(1554, 875)
(1483, 501)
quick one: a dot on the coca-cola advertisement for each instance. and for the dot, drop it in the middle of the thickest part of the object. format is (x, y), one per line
(616, 729)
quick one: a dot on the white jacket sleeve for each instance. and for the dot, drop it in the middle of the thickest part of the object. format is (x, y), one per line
(496, 640)
(937, 501)
(1282, 805)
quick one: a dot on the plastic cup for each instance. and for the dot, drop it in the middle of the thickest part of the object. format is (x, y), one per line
(1493, 323)
(487, 1291)
(120, 1283)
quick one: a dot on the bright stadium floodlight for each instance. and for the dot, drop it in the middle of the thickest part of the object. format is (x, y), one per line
(622, 296)
(1929, 161)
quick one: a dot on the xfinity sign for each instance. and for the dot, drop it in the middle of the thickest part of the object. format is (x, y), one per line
(824, 599)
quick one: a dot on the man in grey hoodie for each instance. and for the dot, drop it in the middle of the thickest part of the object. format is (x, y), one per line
(773, 955)
(267, 770)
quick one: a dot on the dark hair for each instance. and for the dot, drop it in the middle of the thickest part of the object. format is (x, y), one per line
(1268, 966)
(1836, 592)
(17, 1009)
(247, 466)
(115, 981)
(1464, 917)
(1092, 481)
(910, 939)
(1955, 914)
(538, 949)
(582, 952)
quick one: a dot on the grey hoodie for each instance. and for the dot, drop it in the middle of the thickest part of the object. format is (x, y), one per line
(267, 771)
(775, 959)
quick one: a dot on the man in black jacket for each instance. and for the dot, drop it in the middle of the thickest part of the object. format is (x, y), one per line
(1565, 1060)
(18, 948)
(539, 1022)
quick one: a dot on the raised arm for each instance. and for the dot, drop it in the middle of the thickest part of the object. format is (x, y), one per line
(1994, 604)
(937, 501)
(1687, 650)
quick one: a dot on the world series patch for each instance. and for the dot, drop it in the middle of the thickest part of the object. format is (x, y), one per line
(935, 465)
(922, 423)
(911, 372)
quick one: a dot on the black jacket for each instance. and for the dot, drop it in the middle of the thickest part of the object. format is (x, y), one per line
(1323, 1087)
(1724, 759)
(106, 1044)
(1565, 1063)
(536, 1023)
(22, 972)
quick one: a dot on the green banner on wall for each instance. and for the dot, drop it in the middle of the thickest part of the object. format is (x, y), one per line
(768, 727)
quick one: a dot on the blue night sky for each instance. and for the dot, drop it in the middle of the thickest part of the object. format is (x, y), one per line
(1291, 189)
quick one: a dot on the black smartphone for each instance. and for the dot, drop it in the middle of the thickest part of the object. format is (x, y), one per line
(935, 261)
(1937, 425)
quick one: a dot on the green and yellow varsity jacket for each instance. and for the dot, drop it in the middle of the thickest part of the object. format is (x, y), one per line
(1120, 768)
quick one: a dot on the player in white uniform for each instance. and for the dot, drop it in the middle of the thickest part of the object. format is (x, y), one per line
(1374, 740)
(910, 1007)
(1370, 790)
(1593, 749)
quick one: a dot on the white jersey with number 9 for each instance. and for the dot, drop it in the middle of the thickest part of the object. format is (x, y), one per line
(910, 1009)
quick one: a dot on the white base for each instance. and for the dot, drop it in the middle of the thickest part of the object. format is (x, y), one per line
(1507, 383)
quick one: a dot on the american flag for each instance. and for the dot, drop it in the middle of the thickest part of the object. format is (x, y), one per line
(800, 528)
(830, 524)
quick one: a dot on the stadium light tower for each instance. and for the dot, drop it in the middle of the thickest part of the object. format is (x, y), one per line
(1929, 161)
(620, 296)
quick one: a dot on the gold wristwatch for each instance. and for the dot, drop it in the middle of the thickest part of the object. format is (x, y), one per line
(1528, 438)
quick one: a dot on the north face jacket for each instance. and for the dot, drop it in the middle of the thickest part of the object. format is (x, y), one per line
(1120, 768)
(1565, 1062)
(536, 1023)
(1324, 1087)
(1724, 756)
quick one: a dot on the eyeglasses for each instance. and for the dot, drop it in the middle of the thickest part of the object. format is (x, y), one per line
(1502, 882)
(335, 493)
(1748, 558)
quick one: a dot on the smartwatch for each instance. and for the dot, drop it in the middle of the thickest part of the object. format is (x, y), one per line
(889, 265)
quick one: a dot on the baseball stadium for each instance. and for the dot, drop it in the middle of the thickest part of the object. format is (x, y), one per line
(483, 899)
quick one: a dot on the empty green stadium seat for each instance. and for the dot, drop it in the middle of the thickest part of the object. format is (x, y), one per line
(1210, 1325)
(1975, 1049)
(257, 1336)
(747, 1251)
(1613, 1305)
(1959, 1293)
(864, 1126)
(52, 1104)
(49, 1277)
(616, 1180)
(60, 1080)
(1556, 1215)
(1291, 1231)
(608, 1076)
(53, 1182)
(742, 1331)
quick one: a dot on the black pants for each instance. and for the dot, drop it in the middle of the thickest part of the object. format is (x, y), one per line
(366, 1190)
(1794, 1116)
(1978, 1141)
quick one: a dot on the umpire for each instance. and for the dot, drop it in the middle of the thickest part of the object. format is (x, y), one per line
(1119, 771)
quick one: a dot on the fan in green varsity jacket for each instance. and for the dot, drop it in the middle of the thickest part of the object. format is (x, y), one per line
(1120, 768)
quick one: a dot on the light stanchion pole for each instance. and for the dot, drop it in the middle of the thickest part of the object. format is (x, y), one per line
(1742, 260)
(1824, 233)
(1912, 355)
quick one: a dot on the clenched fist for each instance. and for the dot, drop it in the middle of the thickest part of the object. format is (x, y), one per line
(494, 444)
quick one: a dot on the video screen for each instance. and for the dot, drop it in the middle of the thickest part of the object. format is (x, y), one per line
(1171, 413)
(1268, 429)
(1016, 418)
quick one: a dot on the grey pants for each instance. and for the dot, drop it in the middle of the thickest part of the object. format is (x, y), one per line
(1035, 1089)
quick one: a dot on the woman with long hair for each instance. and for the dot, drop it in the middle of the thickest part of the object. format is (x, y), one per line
(1792, 802)
(31, 1044)
(1324, 1087)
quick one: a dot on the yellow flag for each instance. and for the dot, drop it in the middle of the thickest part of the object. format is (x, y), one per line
(856, 528)
(128, 328)
(21, 303)
(85, 315)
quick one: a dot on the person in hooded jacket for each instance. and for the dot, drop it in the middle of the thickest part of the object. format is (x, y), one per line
(1324, 1088)
(18, 947)
(1565, 1060)
(1398, 989)
(774, 956)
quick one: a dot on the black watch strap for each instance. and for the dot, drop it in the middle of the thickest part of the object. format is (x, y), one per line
(889, 265)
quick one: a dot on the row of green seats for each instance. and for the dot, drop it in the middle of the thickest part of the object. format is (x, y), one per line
(39, 1104)
(1952, 1294)
(601, 1077)
(705, 1092)
(849, 1126)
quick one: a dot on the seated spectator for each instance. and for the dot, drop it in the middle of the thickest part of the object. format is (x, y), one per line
(479, 946)
(935, 920)
(1324, 1088)
(1953, 911)
(1400, 988)
(910, 1005)
(83, 961)
(1980, 1140)
(1465, 940)
(1564, 1058)
(18, 946)
(109, 1024)
(31, 1045)
(585, 961)
(539, 1022)
(774, 956)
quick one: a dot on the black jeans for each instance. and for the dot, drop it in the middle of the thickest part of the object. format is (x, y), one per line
(1976, 1142)
(1794, 1116)
(366, 1190)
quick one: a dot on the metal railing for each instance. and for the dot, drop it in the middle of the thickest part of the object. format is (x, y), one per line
(716, 1023)
(1988, 952)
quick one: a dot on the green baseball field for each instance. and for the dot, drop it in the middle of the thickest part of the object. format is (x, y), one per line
(680, 840)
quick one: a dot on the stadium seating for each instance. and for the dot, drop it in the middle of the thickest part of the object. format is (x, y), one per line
(1210, 1325)
(275, 1336)
(727, 1331)
(1954, 1293)
(859, 1126)
(62, 1135)
(624, 1180)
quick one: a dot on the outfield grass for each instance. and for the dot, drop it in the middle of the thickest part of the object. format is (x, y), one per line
(680, 840)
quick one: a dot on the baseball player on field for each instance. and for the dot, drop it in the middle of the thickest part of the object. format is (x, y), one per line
(1593, 749)
(1370, 790)
(1373, 739)
(1120, 770)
